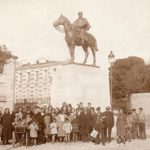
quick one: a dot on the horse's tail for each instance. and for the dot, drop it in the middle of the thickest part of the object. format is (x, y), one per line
(92, 41)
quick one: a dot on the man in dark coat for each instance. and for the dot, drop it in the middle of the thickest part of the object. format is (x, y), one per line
(40, 121)
(99, 125)
(109, 123)
(99, 114)
(93, 118)
(6, 122)
(0, 125)
(85, 119)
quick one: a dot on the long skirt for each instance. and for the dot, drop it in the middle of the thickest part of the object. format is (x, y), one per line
(121, 130)
(61, 132)
(47, 130)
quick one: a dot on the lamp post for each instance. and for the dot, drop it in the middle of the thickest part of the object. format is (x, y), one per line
(111, 59)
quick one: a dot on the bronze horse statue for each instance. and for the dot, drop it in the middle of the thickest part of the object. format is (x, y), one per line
(72, 39)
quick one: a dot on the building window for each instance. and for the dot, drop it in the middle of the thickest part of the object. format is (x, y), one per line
(37, 75)
(45, 74)
(20, 77)
(3, 98)
(51, 79)
(28, 76)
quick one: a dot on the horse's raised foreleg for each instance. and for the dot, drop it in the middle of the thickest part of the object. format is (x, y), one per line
(71, 51)
(86, 54)
(94, 56)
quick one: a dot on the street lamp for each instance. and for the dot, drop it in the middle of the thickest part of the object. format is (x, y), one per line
(111, 59)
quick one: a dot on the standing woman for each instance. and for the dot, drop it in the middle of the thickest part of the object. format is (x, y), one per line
(7, 126)
(69, 109)
(60, 122)
(121, 124)
(50, 108)
(0, 125)
(47, 121)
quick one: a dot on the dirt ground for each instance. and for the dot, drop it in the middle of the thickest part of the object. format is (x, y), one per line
(133, 145)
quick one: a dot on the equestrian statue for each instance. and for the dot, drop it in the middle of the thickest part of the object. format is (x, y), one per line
(76, 35)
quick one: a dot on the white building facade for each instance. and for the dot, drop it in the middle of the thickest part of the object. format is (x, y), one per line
(33, 83)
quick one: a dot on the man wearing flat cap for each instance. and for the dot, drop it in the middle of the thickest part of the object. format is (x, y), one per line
(97, 126)
(109, 121)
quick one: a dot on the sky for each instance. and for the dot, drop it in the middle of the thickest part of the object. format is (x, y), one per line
(123, 26)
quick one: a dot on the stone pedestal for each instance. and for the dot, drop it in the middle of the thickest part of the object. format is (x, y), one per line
(75, 83)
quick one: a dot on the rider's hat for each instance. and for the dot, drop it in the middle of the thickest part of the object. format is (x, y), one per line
(80, 12)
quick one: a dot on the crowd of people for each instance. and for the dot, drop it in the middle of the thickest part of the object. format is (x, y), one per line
(68, 124)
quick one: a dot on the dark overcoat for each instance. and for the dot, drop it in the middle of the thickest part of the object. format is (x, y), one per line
(85, 119)
(109, 119)
(6, 122)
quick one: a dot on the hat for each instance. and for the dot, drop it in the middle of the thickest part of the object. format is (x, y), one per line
(80, 12)
(98, 108)
(107, 108)
(17, 114)
(129, 112)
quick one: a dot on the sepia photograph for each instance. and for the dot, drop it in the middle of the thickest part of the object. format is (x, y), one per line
(75, 74)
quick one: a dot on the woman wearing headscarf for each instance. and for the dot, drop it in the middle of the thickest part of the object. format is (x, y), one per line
(121, 124)
(6, 121)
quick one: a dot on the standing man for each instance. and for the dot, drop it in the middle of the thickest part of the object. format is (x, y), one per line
(99, 115)
(89, 106)
(41, 126)
(99, 125)
(134, 124)
(109, 123)
(82, 26)
(141, 124)
(85, 119)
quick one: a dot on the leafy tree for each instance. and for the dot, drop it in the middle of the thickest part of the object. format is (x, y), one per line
(5, 56)
(130, 75)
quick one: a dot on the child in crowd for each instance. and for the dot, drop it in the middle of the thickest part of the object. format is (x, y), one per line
(67, 127)
(28, 119)
(53, 127)
(75, 128)
(17, 123)
(71, 116)
(33, 127)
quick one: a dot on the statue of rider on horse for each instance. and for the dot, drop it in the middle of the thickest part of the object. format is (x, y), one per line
(76, 35)
(82, 26)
